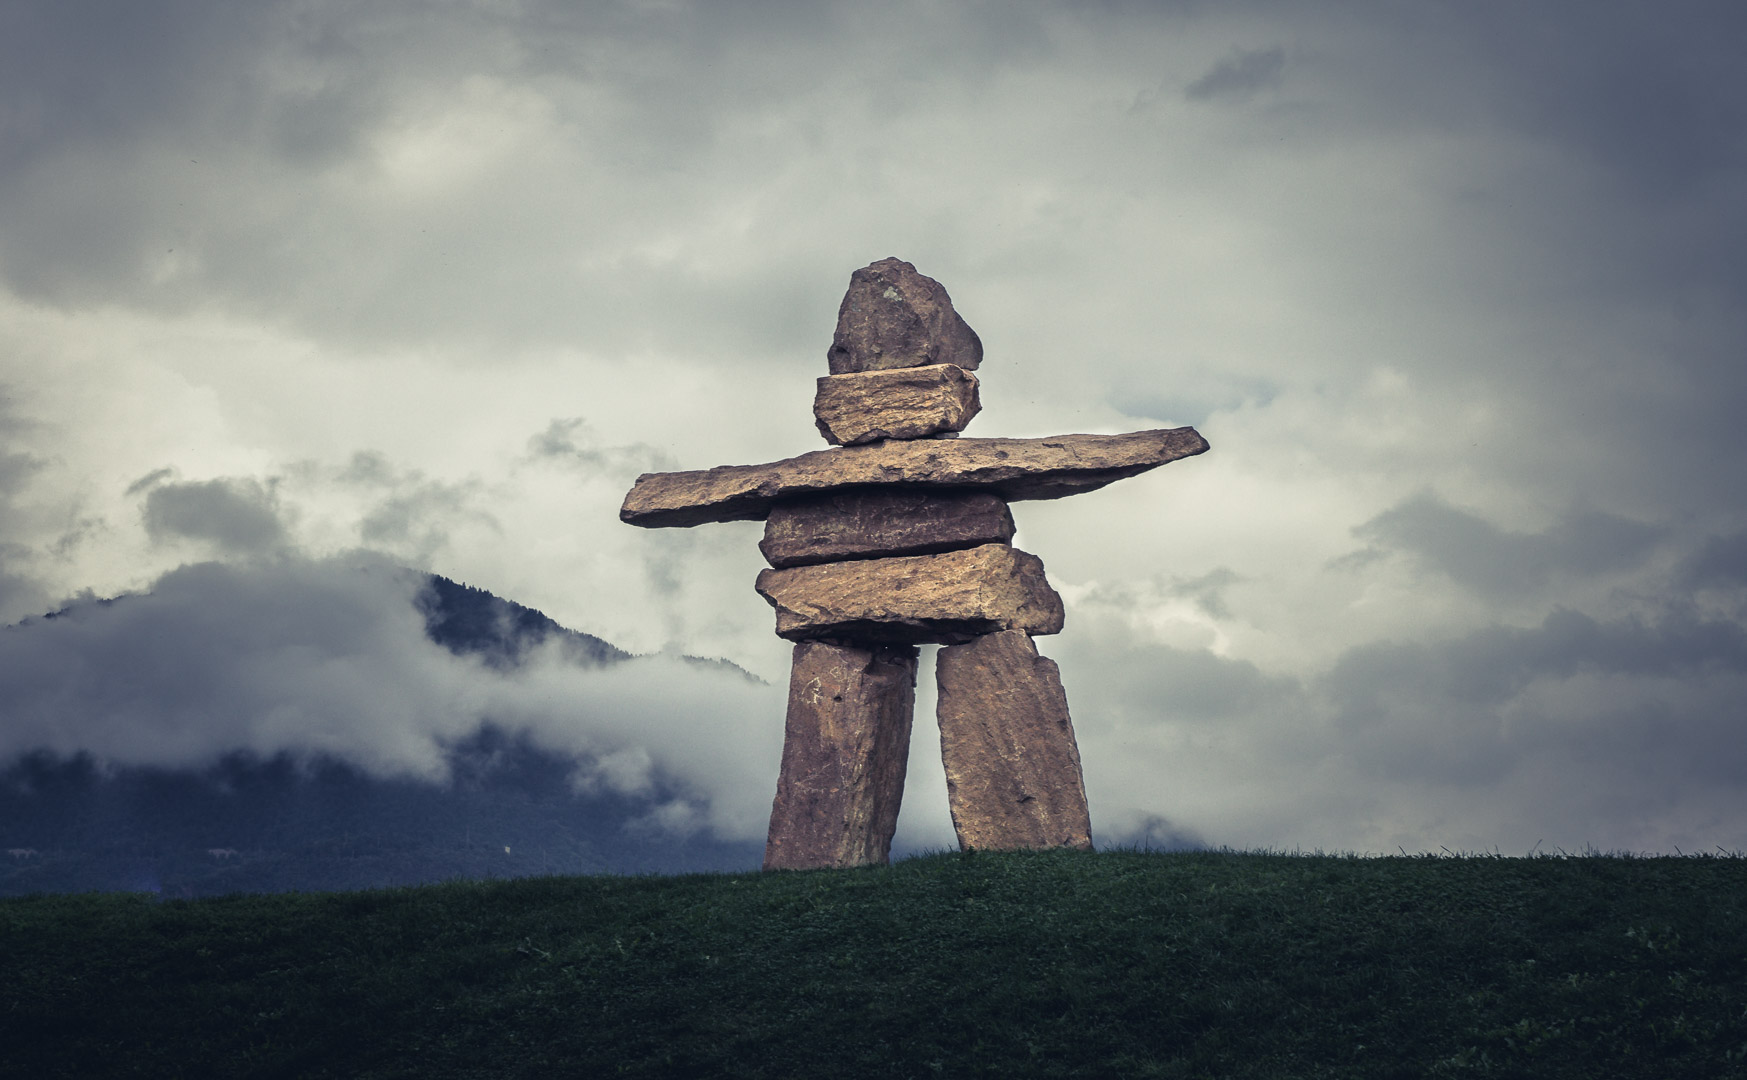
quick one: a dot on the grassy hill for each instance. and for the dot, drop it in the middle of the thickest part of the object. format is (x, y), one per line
(1037, 964)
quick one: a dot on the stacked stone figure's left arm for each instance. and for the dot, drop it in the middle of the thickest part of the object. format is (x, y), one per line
(1014, 469)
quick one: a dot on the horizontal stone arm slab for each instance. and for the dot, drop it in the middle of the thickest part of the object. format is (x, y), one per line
(1012, 468)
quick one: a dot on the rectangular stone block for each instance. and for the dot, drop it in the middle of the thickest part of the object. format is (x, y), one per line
(948, 598)
(1013, 776)
(873, 523)
(902, 403)
(845, 748)
(1011, 468)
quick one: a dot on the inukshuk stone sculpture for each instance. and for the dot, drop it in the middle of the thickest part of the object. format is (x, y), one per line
(899, 536)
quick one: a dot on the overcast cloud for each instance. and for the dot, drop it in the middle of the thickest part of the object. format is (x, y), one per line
(1454, 291)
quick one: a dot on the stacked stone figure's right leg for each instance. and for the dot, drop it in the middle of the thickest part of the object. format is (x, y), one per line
(846, 745)
(1012, 768)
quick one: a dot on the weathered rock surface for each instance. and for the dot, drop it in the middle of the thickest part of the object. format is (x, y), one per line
(1012, 468)
(879, 522)
(949, 598)
(906, 403)
(894, 317)
(845, 747)
(1013, 775)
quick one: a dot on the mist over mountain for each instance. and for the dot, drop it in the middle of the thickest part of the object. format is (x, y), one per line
(503, 801)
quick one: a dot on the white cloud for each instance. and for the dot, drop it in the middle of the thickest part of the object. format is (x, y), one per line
(329, 657)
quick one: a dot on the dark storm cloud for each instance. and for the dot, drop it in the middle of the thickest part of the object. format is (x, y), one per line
(1654, 93)
(204, 154)
(1720, 562)
(1642, 703)
(1623, 731)
(1240, 76)
(1495, 562)
(89, 70)
(1523, 221)
(1615, 131)
(1197, 685)
(1147, 683)
(168, 94)
(1491, 666)
(237, 517)
(201, 155)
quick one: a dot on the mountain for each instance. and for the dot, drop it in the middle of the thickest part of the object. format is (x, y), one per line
(252, 823)
(466, 620)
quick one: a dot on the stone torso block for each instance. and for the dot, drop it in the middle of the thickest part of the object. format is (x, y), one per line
(949, 598)
(876, 522)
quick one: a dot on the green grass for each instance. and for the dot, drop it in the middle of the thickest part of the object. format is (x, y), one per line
(1036, 964)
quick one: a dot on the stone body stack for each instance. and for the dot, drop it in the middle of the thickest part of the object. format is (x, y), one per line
(901, 536)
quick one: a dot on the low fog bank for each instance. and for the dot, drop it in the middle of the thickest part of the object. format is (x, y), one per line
(346, 721)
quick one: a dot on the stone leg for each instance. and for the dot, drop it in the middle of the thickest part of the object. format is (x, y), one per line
(1012, 767)
(845, 748)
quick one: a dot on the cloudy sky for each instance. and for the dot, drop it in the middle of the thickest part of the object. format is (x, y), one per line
(295, 294)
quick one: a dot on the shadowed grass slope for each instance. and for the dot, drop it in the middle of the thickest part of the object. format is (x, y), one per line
(1033, 964)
